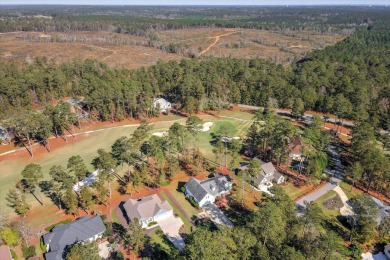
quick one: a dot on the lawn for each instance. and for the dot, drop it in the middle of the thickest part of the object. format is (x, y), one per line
(157, 237)
(327, 212)
(179, 196)
(114, 216)
(180, 213)
(347, 187)
(88, 145)
(293, 191)
(235, 128)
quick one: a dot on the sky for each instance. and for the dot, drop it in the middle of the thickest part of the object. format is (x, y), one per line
(200, 2)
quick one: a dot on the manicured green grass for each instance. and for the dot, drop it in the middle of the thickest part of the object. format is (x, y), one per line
(177, 211)
(179, 196)
(327, 212)
(236, 114)
(347, 190)
(292, 191)
(158, 239)
(114, 216)
(10, 170)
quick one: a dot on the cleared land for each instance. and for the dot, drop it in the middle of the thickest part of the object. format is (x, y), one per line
(133, 51)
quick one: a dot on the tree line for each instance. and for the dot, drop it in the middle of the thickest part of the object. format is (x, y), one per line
(349, 79)
(144, 20)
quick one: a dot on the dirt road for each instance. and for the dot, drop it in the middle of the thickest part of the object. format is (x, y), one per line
(217, 38)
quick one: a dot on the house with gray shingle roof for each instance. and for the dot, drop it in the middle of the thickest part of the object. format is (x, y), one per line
(147, 209)
(84, 229)
(204, 192)
(267, 175)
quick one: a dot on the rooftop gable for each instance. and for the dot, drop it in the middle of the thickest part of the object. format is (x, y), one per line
(146, 207)
(67, 234)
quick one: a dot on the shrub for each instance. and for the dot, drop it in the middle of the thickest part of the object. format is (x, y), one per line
(152, 223)
(10, 236)
(355, 250)
(193, 202)
(28, 251)
(13, 254)
(183, 189)
(119, 256)
(50, 228)
(42, 245)
(159, 232)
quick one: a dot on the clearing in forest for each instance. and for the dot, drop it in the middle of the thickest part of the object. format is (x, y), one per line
(132, 51)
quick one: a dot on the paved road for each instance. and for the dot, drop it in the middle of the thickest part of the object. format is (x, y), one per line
(310, 115)
(336, 173)
(306, 114)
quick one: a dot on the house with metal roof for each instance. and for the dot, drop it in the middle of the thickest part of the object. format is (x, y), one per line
(147, 209)
(267, 175)
(162, 104)
(206, 191)
(82, 230)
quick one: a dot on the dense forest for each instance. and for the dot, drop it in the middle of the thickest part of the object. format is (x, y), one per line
(142, 20)
(350, 79)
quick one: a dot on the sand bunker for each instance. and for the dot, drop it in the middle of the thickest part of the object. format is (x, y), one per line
(228, 139)
(207, 126)
(160, 134)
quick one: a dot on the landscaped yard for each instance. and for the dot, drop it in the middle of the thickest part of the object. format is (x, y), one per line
(180, 197)
(293, 191)
(157, 236)
(347, 190)
(331, 213)
(114, 216)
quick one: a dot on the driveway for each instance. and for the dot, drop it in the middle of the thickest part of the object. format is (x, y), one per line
(171, 226)
(336, 175)
(104, 250)
(216, 215)
(347, 209)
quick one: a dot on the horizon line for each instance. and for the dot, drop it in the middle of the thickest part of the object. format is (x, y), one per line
(200, 5)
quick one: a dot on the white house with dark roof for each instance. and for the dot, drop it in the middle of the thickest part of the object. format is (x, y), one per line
(84, 229)
(267, 175)
(206, 191)
(148, 209)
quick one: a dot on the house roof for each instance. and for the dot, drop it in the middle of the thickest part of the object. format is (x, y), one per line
(193, 186)
(296, 146)
(145, 207)
(213, 186)
(383, 210)
(5, 253)
(277, 175)
(162, 102)
(268, 167)
(67, 234)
